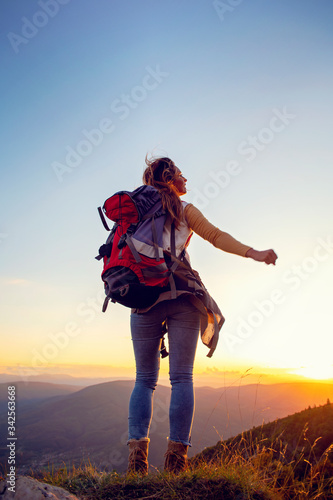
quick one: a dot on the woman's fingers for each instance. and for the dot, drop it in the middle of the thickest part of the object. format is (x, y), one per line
(270, 257)
(267, 256)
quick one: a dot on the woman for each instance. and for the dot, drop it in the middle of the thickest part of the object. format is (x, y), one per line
(184, 322)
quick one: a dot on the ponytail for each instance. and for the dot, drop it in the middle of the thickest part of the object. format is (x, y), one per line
(160, 173)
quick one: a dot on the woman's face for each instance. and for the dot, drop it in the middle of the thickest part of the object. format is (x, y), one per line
(179, 182)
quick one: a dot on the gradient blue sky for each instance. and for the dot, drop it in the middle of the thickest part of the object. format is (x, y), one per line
(222, 80)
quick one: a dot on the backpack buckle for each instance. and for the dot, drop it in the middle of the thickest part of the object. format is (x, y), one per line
(122, 241)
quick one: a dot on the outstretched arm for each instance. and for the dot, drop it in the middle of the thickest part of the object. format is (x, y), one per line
(201, 226)
(224, 241)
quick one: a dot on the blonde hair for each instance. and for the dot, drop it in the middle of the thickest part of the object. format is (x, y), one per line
(160, 173)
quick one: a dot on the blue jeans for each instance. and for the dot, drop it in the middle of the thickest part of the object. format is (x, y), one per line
(183, 321)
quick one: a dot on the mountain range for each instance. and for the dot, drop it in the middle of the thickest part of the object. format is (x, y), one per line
(59, 424)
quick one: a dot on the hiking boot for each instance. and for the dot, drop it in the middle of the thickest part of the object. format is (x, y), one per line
(175, 457)
(138, 456)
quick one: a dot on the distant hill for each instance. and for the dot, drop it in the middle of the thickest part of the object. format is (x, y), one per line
(91, 423)
(58, 378)
(234, 409)
(304, 440)
(30, 393)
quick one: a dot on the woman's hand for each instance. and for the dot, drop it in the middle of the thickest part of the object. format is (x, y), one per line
(267, 256)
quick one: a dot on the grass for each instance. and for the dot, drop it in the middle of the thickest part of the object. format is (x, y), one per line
(238, 470)
(302, 474)
(201, 482)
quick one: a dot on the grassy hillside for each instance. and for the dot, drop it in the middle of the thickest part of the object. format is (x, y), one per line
(294, 453)
(289, 459)
(308, 433)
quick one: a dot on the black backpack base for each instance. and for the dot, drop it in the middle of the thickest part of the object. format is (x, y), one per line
(122, 285)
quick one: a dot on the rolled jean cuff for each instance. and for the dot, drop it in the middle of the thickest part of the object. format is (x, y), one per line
(185, 443)
(147, 440)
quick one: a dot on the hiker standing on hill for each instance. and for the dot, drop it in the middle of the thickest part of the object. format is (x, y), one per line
(186, 316)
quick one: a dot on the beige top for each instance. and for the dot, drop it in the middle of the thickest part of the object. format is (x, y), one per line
(201, 226)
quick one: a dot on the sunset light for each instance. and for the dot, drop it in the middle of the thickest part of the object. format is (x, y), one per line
(316, 372)
(171, 160)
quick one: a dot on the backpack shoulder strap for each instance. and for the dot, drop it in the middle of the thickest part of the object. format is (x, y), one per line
(175, 261)
(100, 211)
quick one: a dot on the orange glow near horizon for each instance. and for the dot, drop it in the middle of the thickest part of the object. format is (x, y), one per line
(316, 372)
(213, 377)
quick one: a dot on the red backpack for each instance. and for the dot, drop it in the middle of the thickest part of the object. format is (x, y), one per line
(135, 270)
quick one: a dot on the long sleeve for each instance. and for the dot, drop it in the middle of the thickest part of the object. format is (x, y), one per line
(201, 226)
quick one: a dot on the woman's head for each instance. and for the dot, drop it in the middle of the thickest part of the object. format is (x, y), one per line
(163, 174)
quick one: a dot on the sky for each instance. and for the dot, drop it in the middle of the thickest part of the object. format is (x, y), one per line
(239, 94)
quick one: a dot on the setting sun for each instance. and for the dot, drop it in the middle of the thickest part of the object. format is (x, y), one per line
(317, 372)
